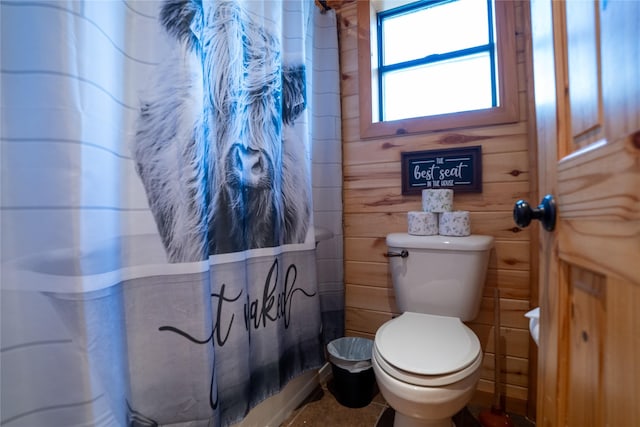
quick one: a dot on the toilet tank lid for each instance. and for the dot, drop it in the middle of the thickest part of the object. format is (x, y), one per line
(473, 242)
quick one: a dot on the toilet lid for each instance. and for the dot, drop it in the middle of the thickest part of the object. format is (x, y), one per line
(427, 344)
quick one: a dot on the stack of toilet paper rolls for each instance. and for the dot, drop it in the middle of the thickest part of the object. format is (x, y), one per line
(438, 217)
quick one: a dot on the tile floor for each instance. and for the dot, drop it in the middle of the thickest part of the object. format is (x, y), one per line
(322, 409)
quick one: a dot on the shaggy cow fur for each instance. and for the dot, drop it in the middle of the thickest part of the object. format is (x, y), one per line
(219, 175)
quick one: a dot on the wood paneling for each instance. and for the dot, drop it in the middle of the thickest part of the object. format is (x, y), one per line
(516, 339)
(367, 273)
(511, 312)
(514, 284)
(370, 298)
(586, 348)
(495, 196)
(515, 370)
(496, 167)
(365, 321)
(374, 206)
(497, 224)
(513, 391)
(505, 138)
(583, 75)
(623, 347)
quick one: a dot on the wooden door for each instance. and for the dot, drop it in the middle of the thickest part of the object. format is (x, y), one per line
(586, 60)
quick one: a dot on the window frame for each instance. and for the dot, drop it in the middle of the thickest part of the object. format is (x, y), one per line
(488, 48)
(506, 112)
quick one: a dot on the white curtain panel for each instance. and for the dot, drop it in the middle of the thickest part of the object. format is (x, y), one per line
(326, 137)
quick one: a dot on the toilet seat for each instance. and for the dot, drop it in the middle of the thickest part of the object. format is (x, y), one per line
(426, 380)
(428, 350)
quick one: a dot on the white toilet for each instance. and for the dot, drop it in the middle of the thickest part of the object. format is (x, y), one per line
(426, 361)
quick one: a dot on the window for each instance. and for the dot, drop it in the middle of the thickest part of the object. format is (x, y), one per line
(435, 64)
(455, 69)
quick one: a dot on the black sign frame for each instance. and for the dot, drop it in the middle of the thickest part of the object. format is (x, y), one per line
(423, 170)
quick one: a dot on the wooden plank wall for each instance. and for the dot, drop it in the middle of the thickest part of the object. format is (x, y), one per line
(374, 207)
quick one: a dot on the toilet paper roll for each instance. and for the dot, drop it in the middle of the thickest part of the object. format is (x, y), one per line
(422, 223)
(534, 323)
(454, 223)
(437, 200)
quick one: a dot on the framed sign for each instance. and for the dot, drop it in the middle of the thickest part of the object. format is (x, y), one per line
(457, 168)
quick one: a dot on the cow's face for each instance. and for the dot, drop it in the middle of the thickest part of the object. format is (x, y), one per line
(248, 97)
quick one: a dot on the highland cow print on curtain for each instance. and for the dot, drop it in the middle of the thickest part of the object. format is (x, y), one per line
(226, 102)
(158, 254)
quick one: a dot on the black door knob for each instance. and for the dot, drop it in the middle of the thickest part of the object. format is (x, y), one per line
(523, 213)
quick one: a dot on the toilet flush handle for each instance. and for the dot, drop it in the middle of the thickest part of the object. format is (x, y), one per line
(402, 254)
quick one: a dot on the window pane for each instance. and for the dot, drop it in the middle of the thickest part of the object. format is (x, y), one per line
(438, 29)
(462, 84)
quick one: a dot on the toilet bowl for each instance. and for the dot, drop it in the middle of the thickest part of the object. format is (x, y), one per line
(427, 361)
(426, 367)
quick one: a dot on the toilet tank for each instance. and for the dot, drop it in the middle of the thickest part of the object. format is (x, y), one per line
(440, 275)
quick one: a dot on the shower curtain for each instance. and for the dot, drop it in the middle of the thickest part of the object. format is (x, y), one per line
(157, 217)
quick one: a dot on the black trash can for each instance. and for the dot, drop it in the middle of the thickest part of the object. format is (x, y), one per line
(353, 378)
